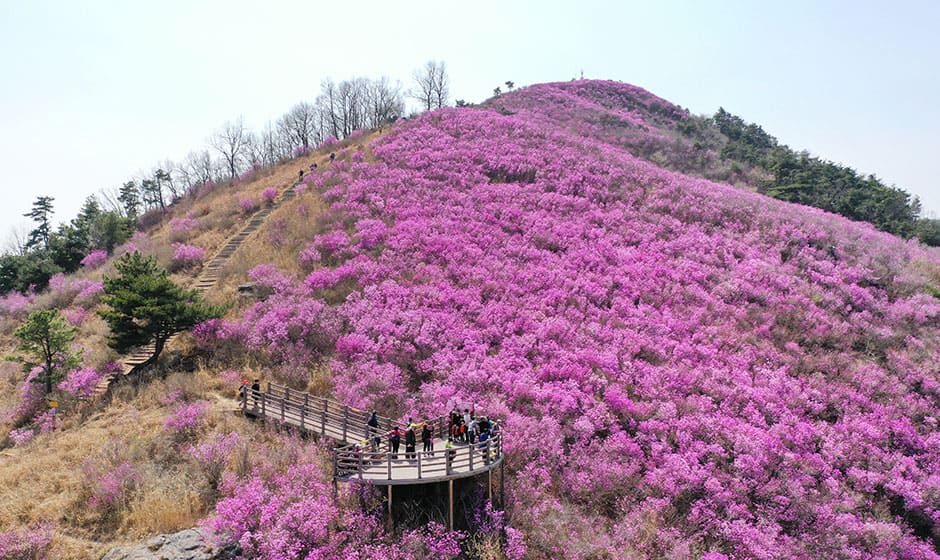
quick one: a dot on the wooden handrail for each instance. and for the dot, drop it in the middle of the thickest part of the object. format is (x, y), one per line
(369, 460)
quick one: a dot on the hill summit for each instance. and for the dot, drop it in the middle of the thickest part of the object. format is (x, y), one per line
(684, 368)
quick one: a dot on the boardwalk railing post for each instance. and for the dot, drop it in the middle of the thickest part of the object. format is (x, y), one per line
(283, 403)
(360, 464)
(263, 405)
(471, 446)
(345, 421)
(419, 465)
(448, 453)
(303, 413)
(389, 457)
(486, 458)
(326, 405)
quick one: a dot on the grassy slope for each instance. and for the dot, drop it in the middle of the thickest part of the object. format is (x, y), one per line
(46, 479)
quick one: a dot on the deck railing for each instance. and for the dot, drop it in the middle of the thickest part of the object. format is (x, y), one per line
(362, 457)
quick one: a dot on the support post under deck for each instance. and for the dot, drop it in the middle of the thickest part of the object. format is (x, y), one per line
(391, 520)
(450, 504)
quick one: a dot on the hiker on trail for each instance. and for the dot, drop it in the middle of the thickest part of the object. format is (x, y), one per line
(427, 437)
(373, 430)
(394, 441)
(300, 176)
(332, 156)
(243, 393)
(255, 392)
(410, 442)
(313, 166)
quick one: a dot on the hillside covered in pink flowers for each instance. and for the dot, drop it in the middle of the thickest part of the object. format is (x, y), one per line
(685, 369)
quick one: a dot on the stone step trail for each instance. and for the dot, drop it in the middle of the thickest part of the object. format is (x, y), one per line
(206, 279)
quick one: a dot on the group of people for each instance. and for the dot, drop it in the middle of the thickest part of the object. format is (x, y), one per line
(396, 434)
(254, 388)
(313, 167)
(467, 428)
(462, 428)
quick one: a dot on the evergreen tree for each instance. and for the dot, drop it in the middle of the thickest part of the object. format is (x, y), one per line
(129, 197)
(145, 306)
(46, 335)
(41, 214)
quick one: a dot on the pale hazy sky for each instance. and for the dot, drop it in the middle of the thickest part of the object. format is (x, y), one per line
(95, 91)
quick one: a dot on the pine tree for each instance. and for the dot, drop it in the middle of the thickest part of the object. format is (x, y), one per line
(41, 214)
(129, 198)
(145, 306)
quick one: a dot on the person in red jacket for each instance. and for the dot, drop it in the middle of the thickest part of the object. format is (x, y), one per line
(394, 441)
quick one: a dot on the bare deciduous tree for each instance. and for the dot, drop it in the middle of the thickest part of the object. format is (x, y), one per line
(328, 105)
(432, 85)
(231, 141)
(384, 102)
(275, 146)
(298, 125)
(201, 167)
(17, 240)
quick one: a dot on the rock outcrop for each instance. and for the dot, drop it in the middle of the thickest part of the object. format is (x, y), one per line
(190, 544)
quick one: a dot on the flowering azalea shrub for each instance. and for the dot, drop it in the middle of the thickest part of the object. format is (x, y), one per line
(683, 369)
(110, 487)
(22, 436)
(285, 511)
(186, 224)
(187, 256)
(268, 195)
(94, 259)
(302, 151)
(248, 205)
(75, 315)
(30, 543)
(29, 400)
(289, 328)
(187, 418)
(81, 383)
(15, 303)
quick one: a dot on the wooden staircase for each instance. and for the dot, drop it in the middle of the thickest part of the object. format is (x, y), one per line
(207, 278)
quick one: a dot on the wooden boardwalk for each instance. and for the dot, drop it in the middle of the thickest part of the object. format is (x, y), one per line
(355, 458)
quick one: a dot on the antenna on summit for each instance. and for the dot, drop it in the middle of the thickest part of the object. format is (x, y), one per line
(582, 73)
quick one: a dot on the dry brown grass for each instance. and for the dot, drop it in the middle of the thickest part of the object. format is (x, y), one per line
(45, 479)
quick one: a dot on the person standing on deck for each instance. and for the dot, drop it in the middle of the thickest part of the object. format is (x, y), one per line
(410, 442)
(255, 392)
(427, 437)
(394, 441)
(373, 430)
